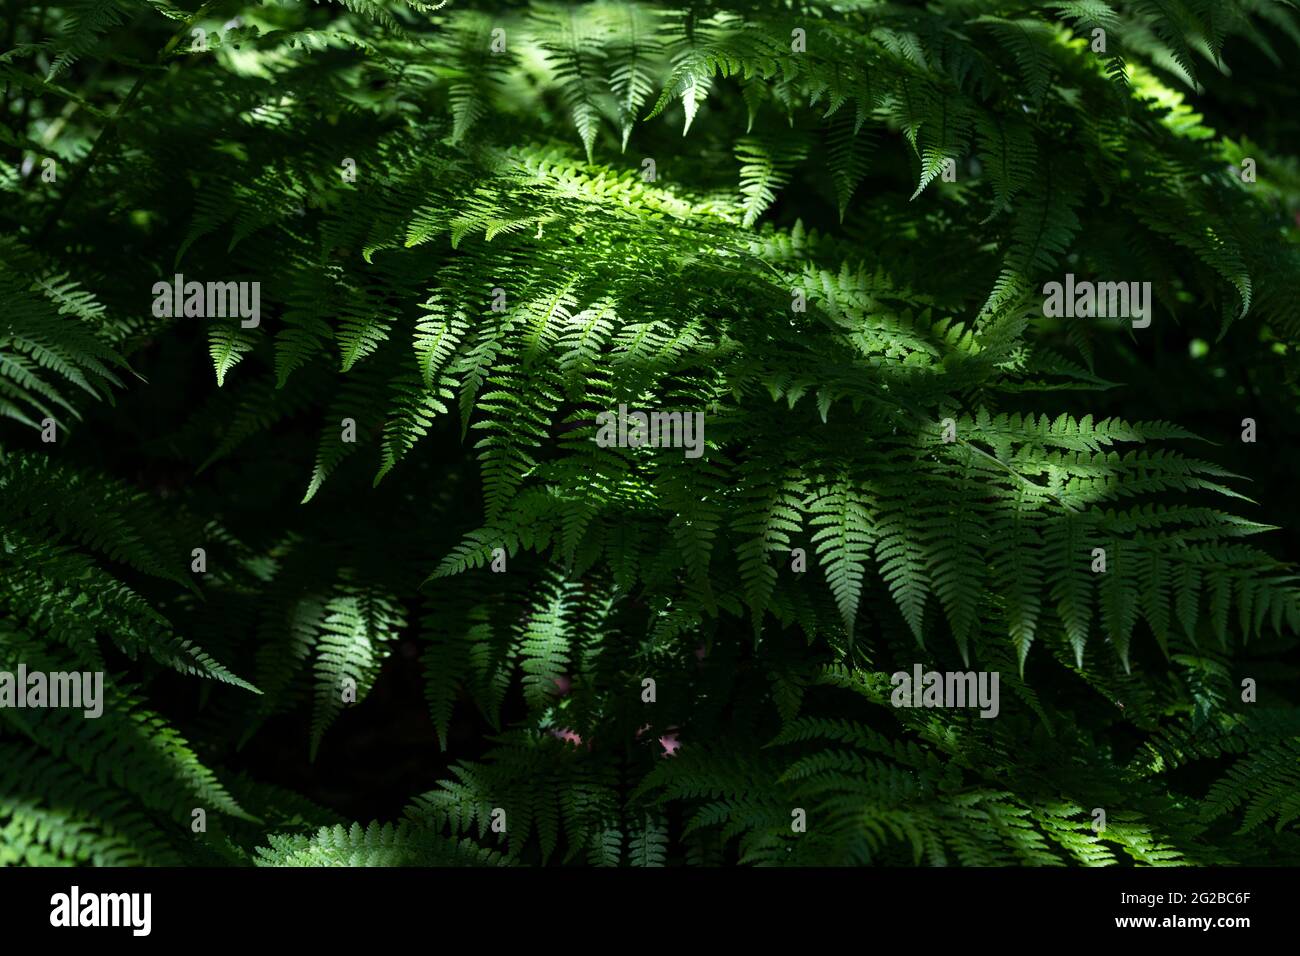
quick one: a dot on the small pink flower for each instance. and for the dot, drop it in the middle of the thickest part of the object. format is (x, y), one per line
(670, 744)
(568, 736)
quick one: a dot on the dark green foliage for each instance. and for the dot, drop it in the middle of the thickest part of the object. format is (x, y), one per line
(883, 398)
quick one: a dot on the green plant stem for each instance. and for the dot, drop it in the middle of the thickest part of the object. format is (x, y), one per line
(106, 134)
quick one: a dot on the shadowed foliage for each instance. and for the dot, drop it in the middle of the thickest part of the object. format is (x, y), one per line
(826, 227)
